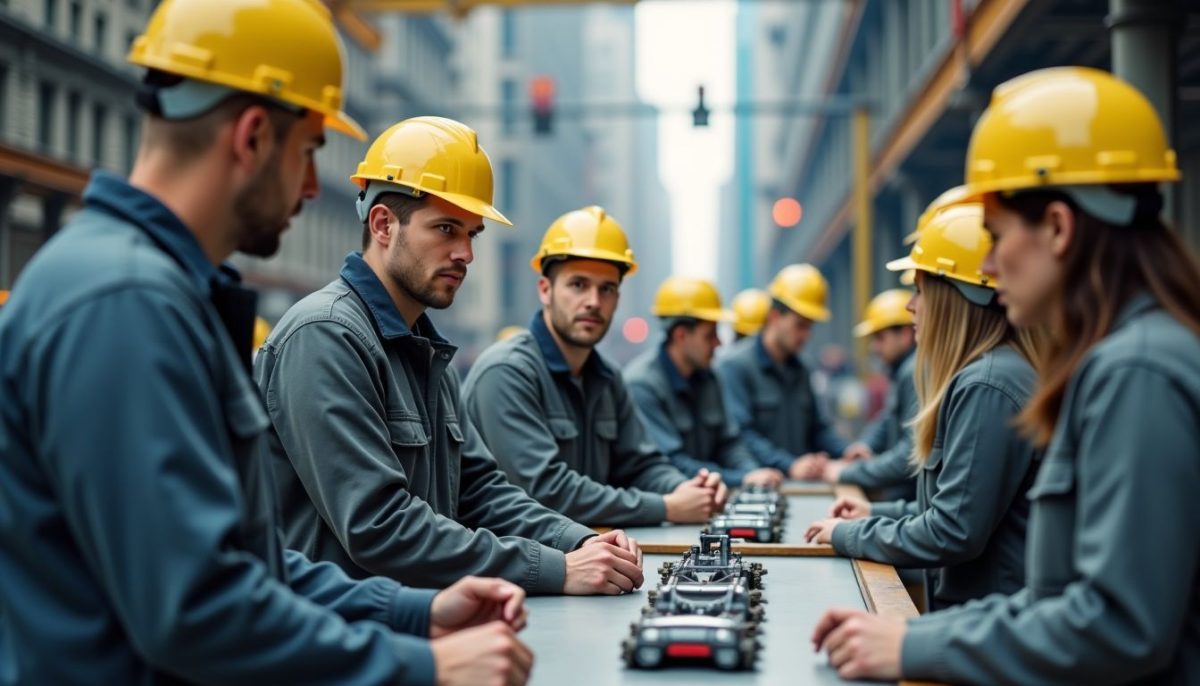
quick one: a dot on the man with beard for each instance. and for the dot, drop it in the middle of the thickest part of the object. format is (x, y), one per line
(557, 415)
(677, 395)
(378, 472)
(137, 535)
(767, 388)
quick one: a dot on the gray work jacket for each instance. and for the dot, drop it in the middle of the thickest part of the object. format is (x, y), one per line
(773, 406)
(580, 449)
(889, 471)
(1112, 592)
(377, 471)
(686, 417)
(138, 540)
(967, 528)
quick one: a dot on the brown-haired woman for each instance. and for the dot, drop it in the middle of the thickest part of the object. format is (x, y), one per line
(974, 374)
(1067, 161)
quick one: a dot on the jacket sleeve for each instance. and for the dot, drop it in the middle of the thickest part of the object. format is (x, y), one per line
(489, 500)
(1121, 618)
(377, 599)
(874, 435)
(741, 412)
(504, 405)
(983, 465)
(637, 461)
(326, 403)
(822, 435)
(148, 487)
(889, 468)
(662, 431)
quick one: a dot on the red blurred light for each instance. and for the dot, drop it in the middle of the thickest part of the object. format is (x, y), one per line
(635, 330)
(787, 212)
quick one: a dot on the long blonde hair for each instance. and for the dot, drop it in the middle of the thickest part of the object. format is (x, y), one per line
(954, 332)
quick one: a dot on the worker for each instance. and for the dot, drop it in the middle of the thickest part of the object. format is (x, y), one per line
(879, 460)
(974, 373)
(399, 485)
(138, 541)
(749, 312)
(1113, 559)
(678, 397)
(557, 415)
(768, 391)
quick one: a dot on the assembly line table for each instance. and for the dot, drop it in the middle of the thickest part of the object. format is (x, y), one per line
(577, 640)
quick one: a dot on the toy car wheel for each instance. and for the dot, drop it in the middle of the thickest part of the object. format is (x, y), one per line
(651, 597)
(749, 653)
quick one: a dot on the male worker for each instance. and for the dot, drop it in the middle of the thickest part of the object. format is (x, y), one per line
(679, 398)
(137, 535)
(767, 387)
(749, 312)
(377, 471)
(557, 415)
(889, 325)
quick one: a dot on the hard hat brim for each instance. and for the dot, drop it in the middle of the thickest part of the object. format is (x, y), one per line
(817, 314)
(903, 264)
(345, 124)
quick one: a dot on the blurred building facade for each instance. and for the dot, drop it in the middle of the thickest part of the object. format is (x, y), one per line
(928, 67)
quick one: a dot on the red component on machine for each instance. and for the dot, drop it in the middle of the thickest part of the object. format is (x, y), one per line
(689, 650)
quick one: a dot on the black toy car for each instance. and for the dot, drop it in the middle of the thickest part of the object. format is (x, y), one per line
(726, 641)
(751, 527)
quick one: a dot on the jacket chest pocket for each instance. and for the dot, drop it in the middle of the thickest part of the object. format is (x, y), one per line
(767, 402)
(566, 434)
(681, 417)
(928, 476)
(1050, 562)
(410, 444)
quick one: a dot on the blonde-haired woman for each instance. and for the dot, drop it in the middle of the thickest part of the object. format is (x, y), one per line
(1114, 557)
(974, 374)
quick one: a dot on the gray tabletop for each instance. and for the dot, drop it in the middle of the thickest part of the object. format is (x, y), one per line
(801, 511)
(577, 640)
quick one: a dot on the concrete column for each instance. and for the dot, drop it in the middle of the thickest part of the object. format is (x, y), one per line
(1145, 36)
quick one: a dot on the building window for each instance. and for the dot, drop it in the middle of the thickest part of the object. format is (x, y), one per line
(45, 119)
(510, 263)
(76, 21)
(508, 34)
(50, 13)
(508, 97)
(131, 141)
(508, 186)
(74, 104)
(100, 31)
(99, 124)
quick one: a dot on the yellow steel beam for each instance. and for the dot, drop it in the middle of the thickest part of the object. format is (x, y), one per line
(987, 24)
(862, 224)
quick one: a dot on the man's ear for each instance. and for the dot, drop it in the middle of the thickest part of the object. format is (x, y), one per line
(1061, 222)
(544, 286)
(379, 223)
(253, 139)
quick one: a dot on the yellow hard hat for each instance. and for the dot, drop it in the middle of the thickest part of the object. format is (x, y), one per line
(261, 330)
(953, 245)
(952, 196)
(508, 332)
(750, 311)
(287, 50)
(431, 155)
(1067, 126)
(802, 288)
(589, 233)
(682, 296)
(888, 309)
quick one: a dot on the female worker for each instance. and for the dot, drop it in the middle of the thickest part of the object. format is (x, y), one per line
(974, 374)
(1067, 161)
